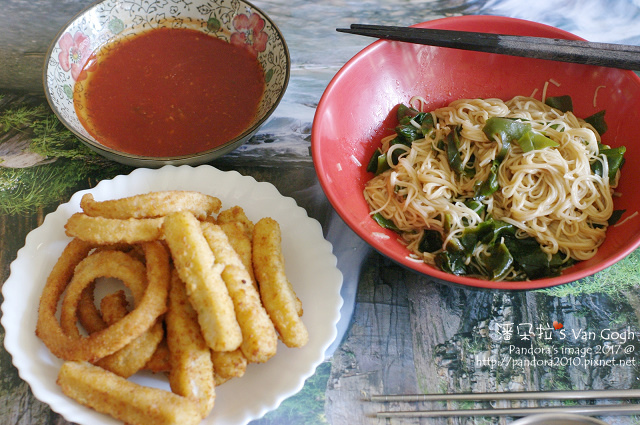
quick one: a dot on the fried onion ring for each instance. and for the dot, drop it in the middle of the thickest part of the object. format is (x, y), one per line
(135, 355)
(116, 336)
(114, 305)
(113, 264)
(47, 328)
(87, 313)
(153, 204)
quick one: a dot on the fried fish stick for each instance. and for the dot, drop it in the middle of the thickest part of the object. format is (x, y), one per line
(239, 230)
(259, 339)
(160, 361)
(102, 231)
(124, 400)
(228, 365)
(272, 228)
(205, 287)
(191, 374)
(152, 204)
(240, 240)
(236, 215)
(277, 294)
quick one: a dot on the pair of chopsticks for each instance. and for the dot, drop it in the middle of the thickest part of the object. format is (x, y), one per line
(576, 51)
(587, 410)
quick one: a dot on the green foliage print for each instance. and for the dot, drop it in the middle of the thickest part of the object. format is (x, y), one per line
(613, 281)
(73, 166)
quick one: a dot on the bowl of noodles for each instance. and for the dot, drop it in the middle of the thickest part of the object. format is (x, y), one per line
(481, 169)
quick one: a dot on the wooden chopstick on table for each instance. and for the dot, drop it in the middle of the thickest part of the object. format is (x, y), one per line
(576, 51)
(589, 410)
(596, 410)
(515, 395)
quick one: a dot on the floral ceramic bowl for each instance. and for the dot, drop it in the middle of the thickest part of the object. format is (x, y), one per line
(234, 21)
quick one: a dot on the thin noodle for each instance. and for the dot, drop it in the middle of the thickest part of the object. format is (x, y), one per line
(549, 194)
(595, 95)
(635, 214)
(554, 82)
(544, 91)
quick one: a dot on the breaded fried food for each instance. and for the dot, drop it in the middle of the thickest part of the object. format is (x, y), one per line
(100, 344)
(48, 328)
(236, 214)
(152, 204)
(116, 264)
(135, 355)
(259, 338)
(239, 229)
(159, 361)
(127, 401)
(191, 374)
(114, 306)
(210, 295)
(87, 313)
(103, 231)
(228, 365)
(205, 287)
(278, 296)
(112, 264)
(240, 240)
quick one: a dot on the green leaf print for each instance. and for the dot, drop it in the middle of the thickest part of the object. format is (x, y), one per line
(116, 26)
(213, 25)
(268, 76)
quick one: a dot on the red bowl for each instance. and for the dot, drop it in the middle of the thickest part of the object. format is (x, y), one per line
(354, 114)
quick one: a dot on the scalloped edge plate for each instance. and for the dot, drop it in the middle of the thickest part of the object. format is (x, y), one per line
(310, 266)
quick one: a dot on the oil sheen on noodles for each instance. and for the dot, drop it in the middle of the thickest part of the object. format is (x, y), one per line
(549, 194)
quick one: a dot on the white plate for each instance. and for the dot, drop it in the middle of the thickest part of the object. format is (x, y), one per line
(310, 266)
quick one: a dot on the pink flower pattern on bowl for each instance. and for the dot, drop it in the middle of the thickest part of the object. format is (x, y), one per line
(74, 52)
(249, 33)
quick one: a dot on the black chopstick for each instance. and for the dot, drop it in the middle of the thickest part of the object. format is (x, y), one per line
(576, 51)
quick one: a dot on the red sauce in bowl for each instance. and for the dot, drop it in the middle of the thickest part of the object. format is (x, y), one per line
(169, 92)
